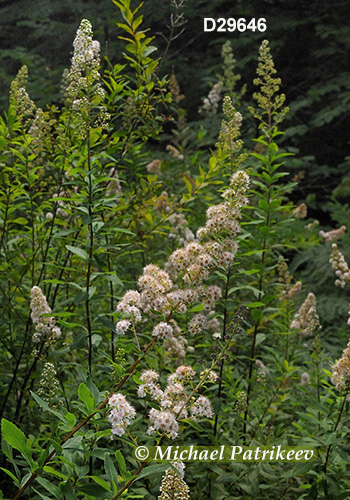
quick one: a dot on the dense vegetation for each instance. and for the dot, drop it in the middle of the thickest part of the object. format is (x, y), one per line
(169, 271)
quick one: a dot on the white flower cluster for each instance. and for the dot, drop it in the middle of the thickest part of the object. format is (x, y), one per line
(173, 486)
(202, 408)
(163, 331)
(340, 266)
(83, 78)
(182, 372)
(191, 265)
(19, 97)
(305, 379)
(48, 383)
(288, 293)
(163, 421)
(180, 231)
(85, 60)
(211, 103)
(120, 415)
(197, 324)
(154, 284)
(209, 376)
(45, 326)
(157, 295)
(129, 306)
(174, 401)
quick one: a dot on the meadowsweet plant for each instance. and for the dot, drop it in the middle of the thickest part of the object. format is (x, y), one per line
(150, 292)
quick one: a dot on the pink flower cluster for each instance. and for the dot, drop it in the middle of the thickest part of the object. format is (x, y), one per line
(176, 401)
(121, 414)
(163, 331)
(129, 306)
(202, 408)
(155, 284)
(163, 421)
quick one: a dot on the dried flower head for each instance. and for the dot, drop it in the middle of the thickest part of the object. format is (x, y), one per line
(341, 371)
(175, 89)
(333, 235)
(154, 167)
(300, 212)
(307, 320)
(45, 325)
(174, 153)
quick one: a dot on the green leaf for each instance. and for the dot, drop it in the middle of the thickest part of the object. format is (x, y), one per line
(12, 476)
(93, 490)
(51, 488)
(86, 397)
(121, 464)
(212, 163)
(46, 407)
(78, 251)
(20, 220)
(194, 424)
(67, 490)
(188, 184)
(256, 315)
(53, 472)
(197, 308)
(15, 438)
(110, 469)
(80, 297)
(102, 482)
(151, 470)
(122, 230)
(260, 338)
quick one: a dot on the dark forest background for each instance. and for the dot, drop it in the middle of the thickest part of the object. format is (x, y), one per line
(310, 43)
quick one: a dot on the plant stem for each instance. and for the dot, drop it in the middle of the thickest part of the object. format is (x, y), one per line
(88, 274)
(223, 336)
(330, 445)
